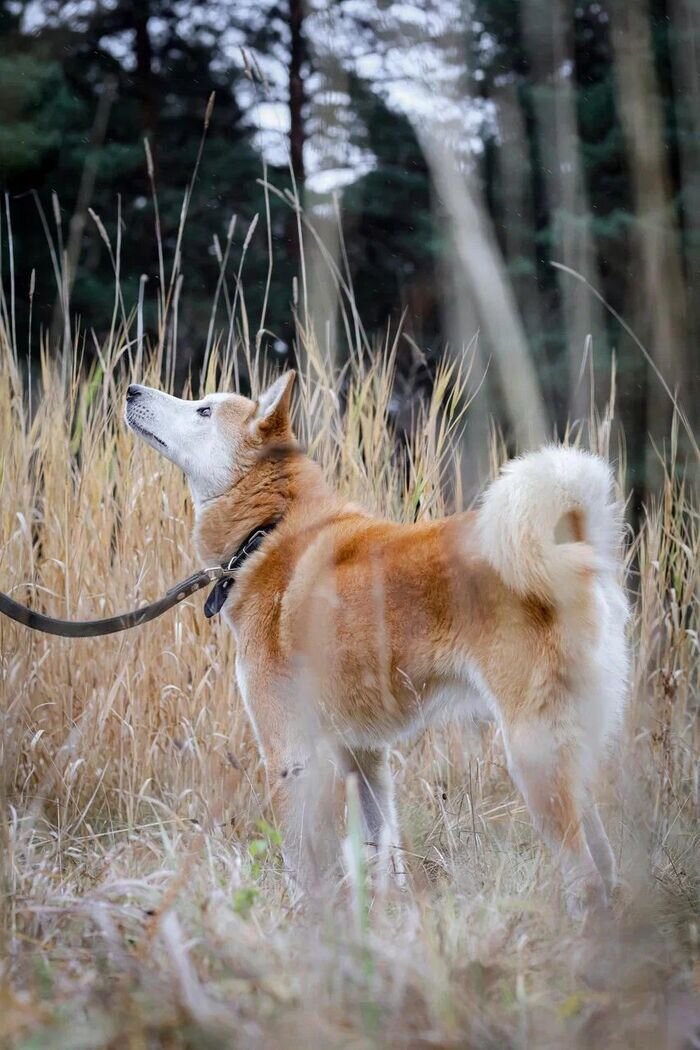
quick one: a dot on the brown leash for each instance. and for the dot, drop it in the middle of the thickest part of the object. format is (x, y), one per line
(222, 576)
(111, 624)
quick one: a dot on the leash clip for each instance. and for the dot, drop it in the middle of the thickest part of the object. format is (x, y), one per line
(215, 572)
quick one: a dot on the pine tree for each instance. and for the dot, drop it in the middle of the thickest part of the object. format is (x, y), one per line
(160, 75)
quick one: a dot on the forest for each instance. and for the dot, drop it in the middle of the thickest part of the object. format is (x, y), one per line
(572, 132)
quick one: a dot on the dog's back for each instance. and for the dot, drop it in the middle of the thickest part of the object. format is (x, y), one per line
(385, 616)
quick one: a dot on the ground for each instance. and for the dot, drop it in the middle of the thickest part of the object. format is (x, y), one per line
(144, 900)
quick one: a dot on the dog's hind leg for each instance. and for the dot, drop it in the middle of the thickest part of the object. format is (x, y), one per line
(547, 769)
(599, 845)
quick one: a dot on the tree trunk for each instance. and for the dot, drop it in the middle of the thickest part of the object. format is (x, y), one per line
(660, 291)
(296, 90)
(548, 31)
(144, 68)
(297, 53)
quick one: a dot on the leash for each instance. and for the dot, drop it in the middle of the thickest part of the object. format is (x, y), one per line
(222, 576)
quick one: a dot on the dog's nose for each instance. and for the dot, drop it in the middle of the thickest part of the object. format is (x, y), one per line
(133, 392)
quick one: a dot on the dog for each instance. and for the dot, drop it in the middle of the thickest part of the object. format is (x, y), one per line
(362, 631)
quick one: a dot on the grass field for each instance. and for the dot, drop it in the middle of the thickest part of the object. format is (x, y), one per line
(144, 903)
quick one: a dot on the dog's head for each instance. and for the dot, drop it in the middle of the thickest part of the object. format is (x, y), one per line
(217, 439)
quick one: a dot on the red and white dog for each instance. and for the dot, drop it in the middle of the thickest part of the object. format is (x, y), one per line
(364, 630)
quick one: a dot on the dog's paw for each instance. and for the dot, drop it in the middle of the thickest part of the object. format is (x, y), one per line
(585, 897)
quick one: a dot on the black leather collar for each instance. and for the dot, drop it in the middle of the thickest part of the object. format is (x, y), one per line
(219, 592)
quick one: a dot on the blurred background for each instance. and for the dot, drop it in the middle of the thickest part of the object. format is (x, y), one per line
(446, 155)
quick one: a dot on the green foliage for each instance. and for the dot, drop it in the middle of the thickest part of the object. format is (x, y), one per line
(53, 82)
(395, 243)
(243, 900)
(33, 95)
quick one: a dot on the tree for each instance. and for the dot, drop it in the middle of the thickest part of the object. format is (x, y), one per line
(393, 241)
(161, 82)
(509, 38)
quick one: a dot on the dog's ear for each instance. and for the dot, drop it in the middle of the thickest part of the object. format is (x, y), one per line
(272, 408)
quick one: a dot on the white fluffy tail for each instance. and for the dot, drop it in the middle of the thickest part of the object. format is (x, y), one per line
(549, 520)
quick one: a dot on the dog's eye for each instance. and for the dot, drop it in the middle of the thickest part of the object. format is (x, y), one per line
(205, 410)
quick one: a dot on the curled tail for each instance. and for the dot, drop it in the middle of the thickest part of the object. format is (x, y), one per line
(549, 521)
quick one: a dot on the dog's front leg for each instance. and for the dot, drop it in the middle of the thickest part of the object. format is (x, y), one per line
(304, 783)
(306, 795)
(376, 791)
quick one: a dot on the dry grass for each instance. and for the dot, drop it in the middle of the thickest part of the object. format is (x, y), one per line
(143, 899)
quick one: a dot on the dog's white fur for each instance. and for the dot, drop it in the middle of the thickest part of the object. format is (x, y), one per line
(177, 429)
(521, 509)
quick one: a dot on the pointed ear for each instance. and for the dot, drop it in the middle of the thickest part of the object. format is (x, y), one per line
(272, 409)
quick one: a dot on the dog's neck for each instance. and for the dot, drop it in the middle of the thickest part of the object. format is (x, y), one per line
(280, 481)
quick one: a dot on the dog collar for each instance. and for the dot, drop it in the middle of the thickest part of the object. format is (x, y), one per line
(219, 592)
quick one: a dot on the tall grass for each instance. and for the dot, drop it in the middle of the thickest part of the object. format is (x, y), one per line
(144, 902)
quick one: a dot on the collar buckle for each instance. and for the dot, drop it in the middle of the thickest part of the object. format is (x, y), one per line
(223, 576)
(241, 554)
